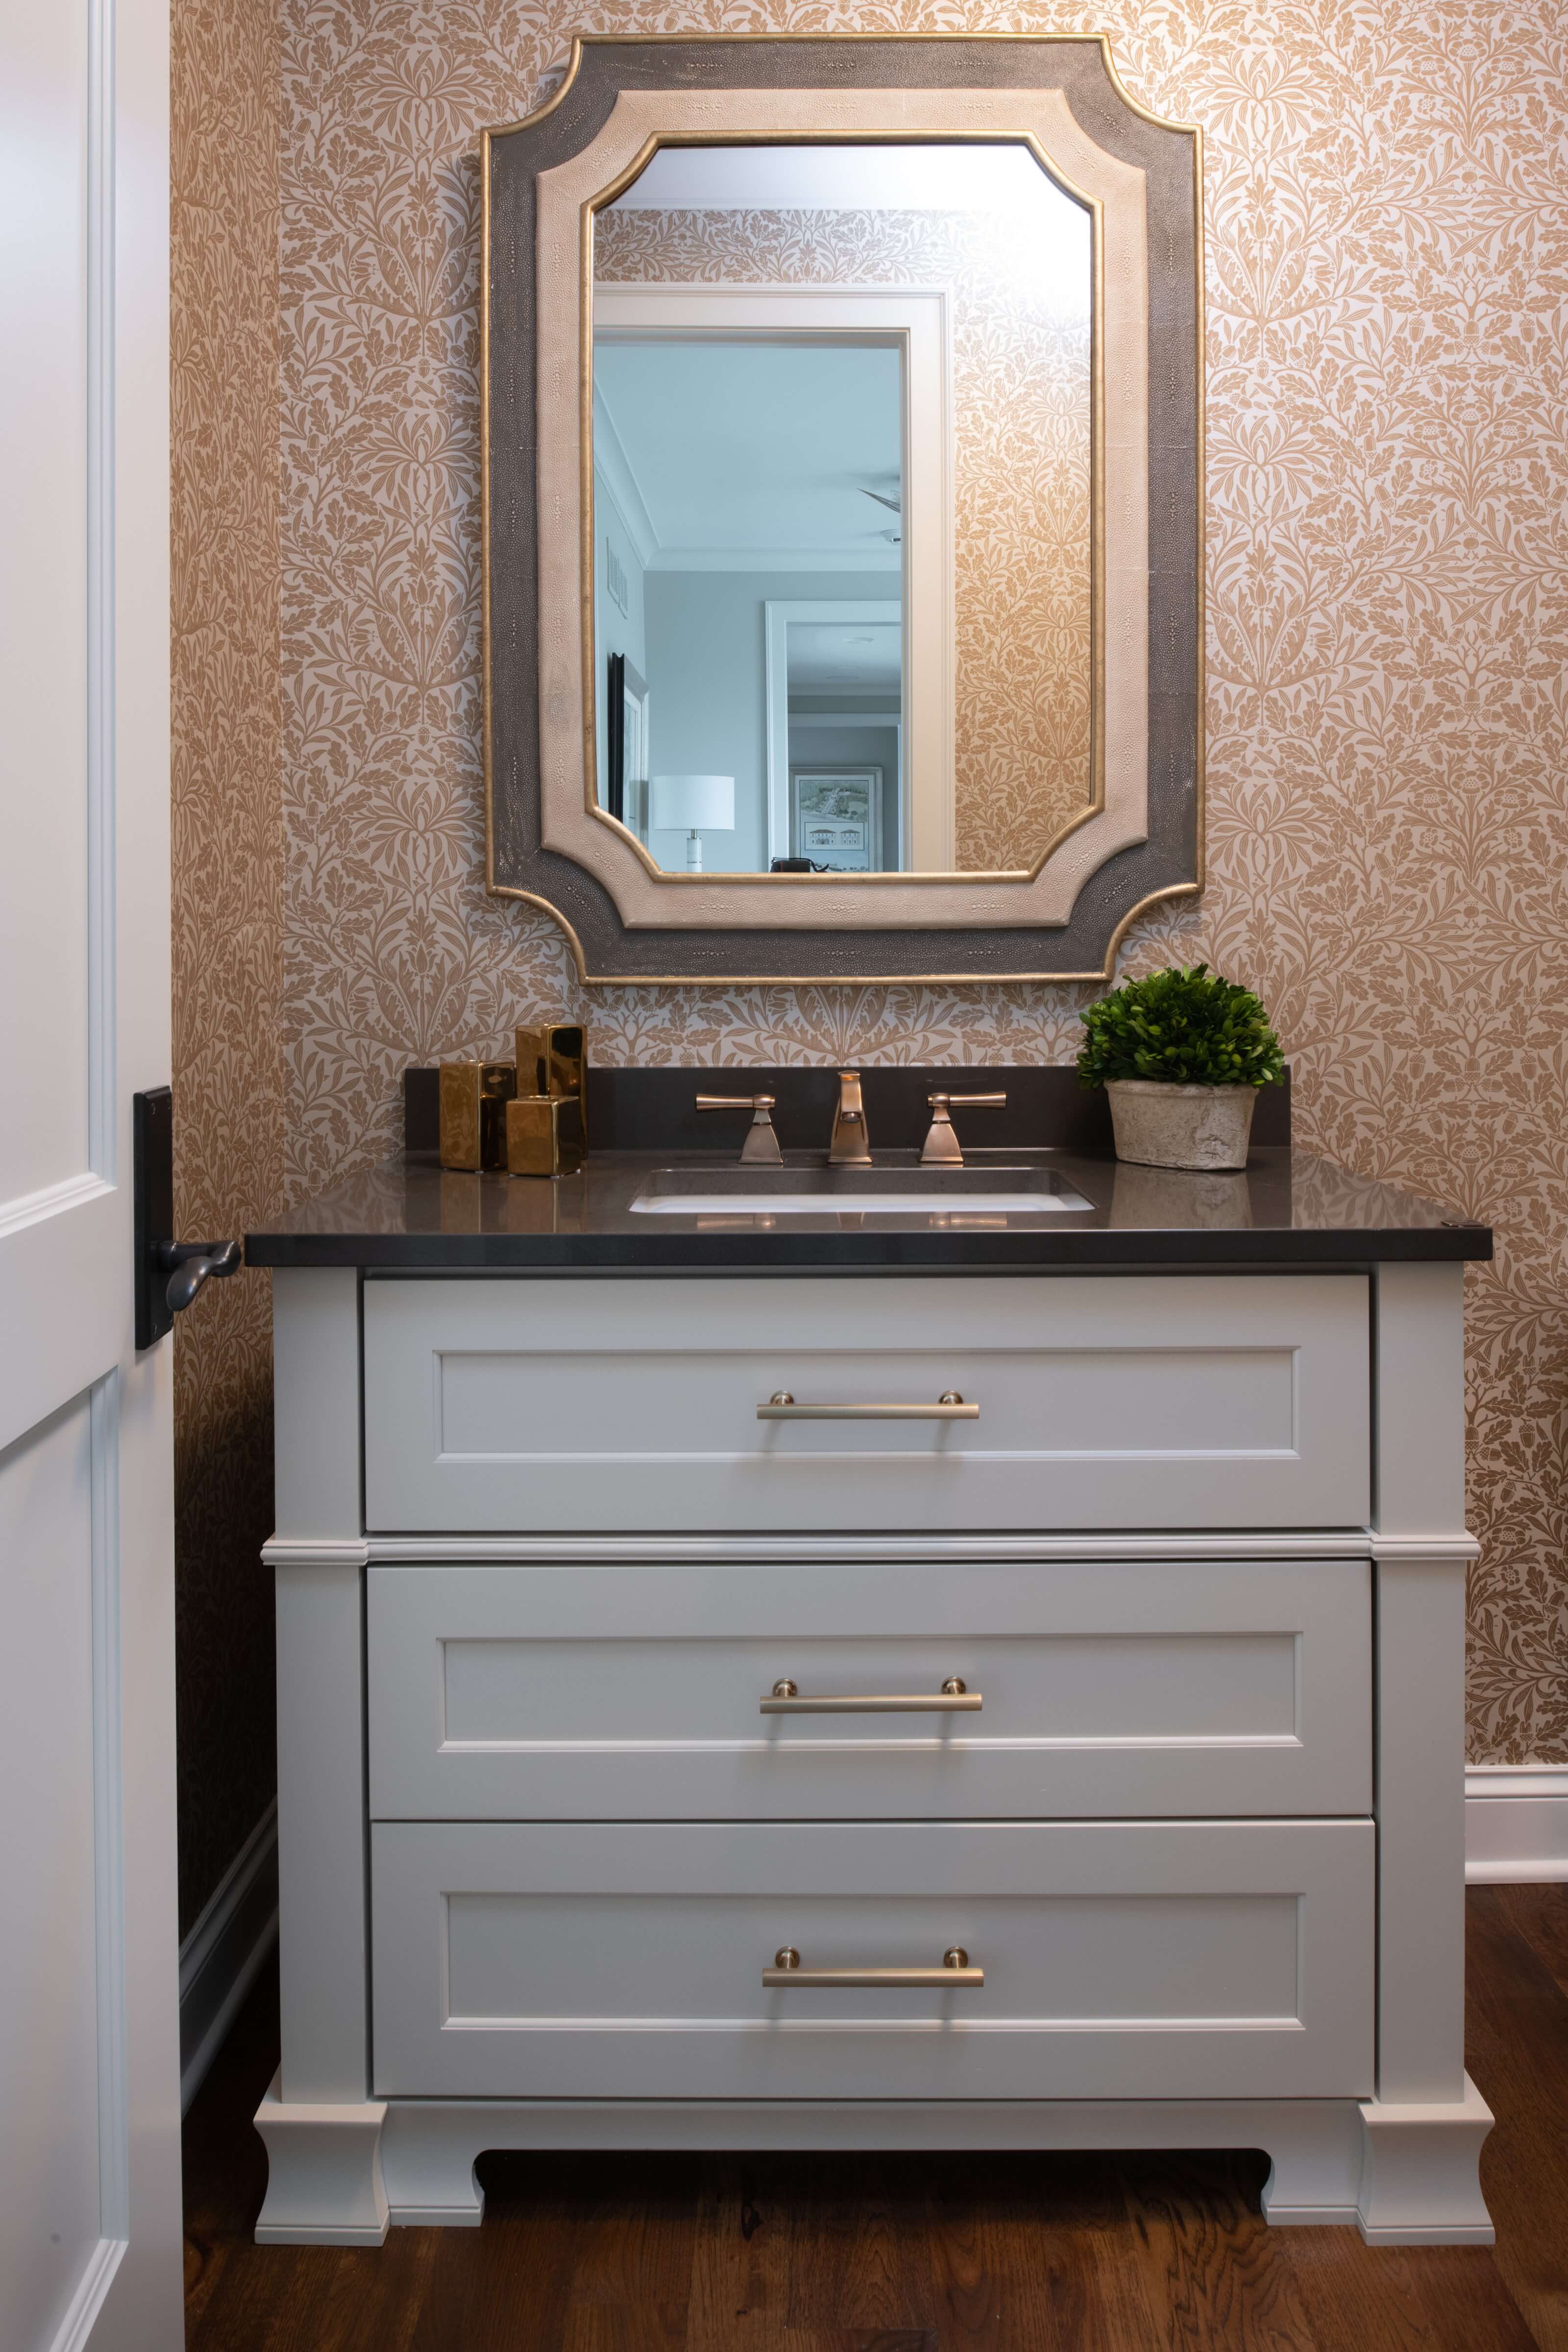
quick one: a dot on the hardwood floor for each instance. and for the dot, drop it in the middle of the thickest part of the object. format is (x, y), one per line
(937, 2253)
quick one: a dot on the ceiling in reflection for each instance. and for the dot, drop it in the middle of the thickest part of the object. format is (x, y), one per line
(757, 445)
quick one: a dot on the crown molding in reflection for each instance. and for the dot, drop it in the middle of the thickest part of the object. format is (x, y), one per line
(775, 561)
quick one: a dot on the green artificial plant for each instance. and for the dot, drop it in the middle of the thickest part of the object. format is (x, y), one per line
(1181, 1028)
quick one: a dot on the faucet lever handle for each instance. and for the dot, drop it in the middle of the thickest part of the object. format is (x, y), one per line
(761, 1142)
(941, 1148)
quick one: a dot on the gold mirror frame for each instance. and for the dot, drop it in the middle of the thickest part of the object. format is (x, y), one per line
(1141, 838)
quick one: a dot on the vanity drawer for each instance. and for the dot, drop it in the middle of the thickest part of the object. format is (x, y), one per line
(1185, 1959)
(1103, 1400)
(1107, 1688)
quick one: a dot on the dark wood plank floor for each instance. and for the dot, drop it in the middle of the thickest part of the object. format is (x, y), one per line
(1046, 2253)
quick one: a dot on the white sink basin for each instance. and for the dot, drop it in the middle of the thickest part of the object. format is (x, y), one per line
(858, 1191)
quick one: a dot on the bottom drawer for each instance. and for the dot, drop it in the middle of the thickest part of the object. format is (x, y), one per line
(1126, 1959)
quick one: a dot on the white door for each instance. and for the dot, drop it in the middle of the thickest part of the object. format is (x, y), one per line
(90, 2180)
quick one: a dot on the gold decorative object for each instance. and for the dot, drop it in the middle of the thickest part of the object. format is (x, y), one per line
(551, 1059)
(474, 1096)
(544, 1135)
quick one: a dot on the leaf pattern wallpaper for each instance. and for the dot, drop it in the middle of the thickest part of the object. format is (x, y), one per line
(228, 845)
(1388, 646)
(1021, 393)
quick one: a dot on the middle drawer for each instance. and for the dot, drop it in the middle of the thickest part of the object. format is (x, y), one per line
(512, 1692)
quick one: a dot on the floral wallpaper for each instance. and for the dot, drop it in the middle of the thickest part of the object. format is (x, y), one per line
(1387, 223)
(227, 904)
(1020, 473)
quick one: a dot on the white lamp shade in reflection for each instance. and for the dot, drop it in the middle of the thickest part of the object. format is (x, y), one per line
(693, 805)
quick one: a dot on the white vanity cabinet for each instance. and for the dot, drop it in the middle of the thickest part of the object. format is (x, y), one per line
(1082, 1769)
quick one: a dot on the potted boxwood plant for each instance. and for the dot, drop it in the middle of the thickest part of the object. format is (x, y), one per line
(1181, 1055)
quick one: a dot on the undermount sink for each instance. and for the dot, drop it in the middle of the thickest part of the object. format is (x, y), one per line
(860, 1191)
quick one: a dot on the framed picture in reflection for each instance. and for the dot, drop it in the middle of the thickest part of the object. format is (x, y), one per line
(626, 704)
(836, 818)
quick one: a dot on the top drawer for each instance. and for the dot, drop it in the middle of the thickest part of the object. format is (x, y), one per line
(1165, 1400)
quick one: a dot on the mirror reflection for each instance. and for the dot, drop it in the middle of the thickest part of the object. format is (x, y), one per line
(842, 420)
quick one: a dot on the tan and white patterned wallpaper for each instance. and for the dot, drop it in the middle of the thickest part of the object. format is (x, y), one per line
(1021, 472)
(1387, 638)
(227, 903)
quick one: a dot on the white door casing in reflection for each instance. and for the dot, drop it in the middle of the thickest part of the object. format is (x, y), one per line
(90, 2214)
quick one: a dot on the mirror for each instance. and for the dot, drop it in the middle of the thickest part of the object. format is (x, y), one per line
(843, 470)
(841, 424)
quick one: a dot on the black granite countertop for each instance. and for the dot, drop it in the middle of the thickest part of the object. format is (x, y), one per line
(1286, 1208)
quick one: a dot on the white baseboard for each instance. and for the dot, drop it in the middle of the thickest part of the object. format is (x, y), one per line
(1516, 1823)
(220, 1957)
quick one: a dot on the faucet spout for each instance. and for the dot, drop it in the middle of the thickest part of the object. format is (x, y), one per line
(849, 1140)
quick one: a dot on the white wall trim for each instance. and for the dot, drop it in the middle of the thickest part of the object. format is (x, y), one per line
(621, 485)
(220, 1957)
(1516, 1823)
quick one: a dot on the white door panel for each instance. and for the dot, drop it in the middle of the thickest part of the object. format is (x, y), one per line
(89, 2213)
(49, 2181)
(44, 363)
(46, 1259)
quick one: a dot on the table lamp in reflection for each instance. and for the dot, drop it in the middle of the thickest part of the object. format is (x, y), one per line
(693, 805)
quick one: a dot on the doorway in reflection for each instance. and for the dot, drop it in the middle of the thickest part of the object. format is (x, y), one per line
(749, 581)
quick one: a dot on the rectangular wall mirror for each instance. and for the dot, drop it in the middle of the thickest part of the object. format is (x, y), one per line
(843, 466)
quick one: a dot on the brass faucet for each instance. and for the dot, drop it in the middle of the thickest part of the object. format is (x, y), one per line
(849, 1141)
(761, 1142)
(941, 1148)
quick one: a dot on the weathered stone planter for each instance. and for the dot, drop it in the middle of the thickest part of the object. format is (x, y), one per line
(1181, 1127)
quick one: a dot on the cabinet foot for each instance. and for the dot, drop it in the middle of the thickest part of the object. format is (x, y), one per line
(1314, 2153)
(324, 2174)
(1420, 2185)
(427, 2163)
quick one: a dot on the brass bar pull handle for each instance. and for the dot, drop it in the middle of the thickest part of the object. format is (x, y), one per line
(952, 1698)
(948, 1406)
(787, 1975)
